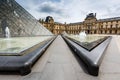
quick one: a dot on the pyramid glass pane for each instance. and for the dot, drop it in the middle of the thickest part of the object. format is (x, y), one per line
(19, 21)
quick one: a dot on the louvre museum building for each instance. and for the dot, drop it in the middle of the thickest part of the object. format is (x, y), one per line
(91, 25)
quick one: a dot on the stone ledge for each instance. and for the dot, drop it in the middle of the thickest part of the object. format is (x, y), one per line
(92, 58)
(22, 64)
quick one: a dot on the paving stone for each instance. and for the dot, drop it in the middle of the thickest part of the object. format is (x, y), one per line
(113, 76)
(31, 76)
(10, 77)
(84, 76)
(59, 63)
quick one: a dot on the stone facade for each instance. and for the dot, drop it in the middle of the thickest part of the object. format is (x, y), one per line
(90, 25)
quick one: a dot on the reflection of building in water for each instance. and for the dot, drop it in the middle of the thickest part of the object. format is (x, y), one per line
(90, 25)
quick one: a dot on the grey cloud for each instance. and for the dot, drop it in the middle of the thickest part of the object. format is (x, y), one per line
(47, 9)
(118, 9)
(55, 0)
(112, 11)
(71, 10)
(51, 8)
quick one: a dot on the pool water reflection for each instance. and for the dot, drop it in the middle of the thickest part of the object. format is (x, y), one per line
(18, 44)
(89, 42)
(87, 39)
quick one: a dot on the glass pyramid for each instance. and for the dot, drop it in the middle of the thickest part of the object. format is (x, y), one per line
(19, 21)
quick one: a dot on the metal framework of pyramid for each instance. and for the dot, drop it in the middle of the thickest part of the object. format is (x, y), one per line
(19, 21)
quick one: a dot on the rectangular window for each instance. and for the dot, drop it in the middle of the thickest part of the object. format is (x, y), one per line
(110, 26)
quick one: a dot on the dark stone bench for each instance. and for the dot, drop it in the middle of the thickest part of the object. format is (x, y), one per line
(92, 58)
(23, 63)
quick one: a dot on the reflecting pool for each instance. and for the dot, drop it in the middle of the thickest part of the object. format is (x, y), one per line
(87, 39)
(18, 44)
(88, 42)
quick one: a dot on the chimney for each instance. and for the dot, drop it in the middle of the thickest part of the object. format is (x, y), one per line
(95, 14)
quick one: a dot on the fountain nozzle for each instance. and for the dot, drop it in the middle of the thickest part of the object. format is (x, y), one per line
(7, 32)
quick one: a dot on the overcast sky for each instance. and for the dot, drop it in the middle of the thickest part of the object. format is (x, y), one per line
(71, 10)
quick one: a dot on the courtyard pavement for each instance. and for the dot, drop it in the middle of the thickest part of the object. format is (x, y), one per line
(60, 63)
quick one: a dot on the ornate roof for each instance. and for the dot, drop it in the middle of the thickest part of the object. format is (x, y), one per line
(110, 19)
(90, 16)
